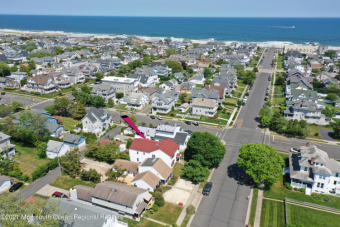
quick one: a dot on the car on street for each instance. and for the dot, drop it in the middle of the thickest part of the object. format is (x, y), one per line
(337, 112)
(152, 117)
(250, 88)
(267, 93)
(195, 123)
(207, 188)
(247, 94)
(59, 195)
(266, 99)
(295, 150)
(189, 132)
(15, 187)
(188, 122)
(250, 180)
(3, 93)
(159, 118)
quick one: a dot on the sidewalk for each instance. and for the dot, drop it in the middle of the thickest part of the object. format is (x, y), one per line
(257, 221)
(189, 201)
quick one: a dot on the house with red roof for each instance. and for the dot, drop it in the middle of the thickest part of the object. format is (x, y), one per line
(142, 149)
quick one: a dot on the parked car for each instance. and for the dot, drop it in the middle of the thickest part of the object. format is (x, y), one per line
(250, 88)
(152, 117)
(295, 150)
(59, 195)
(15, 187)
(188, 122)
(270, 78)
(337, 112)
(207, 188)
(250, 181)
(159, 118)
(195, 123)
(3, 93)
(189, 132)
(266, 99)
(247, 94)
(267, 93)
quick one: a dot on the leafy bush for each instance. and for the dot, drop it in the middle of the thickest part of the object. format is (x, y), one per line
(159, 199)
(9, 88)
(190, 209)
(320, 197)
(155, 207)
(288, 186)
(90, 175)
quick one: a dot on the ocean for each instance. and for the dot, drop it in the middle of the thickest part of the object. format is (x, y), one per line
(325, 31)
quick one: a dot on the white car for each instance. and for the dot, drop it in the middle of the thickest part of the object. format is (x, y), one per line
(159, 118)
(295, 150)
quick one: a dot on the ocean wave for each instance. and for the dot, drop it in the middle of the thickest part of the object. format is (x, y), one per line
(291, 27)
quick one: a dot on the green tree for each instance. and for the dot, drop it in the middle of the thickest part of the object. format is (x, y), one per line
(195, 171)
(17, 106)
(14, 68)
(329, 112)
(59, 50)
(261, 161)
(90, 175)
(119, 95)
(336, 129)
(175, 66)
(207, 72)
(124, 69)
(118, 54)
(331, 53)
(79, 112)
(159, 199)
(32, 65)
(265, 121)
(146, 60)
(134, 119)
(4, 69)
(255, 70)
(98, 101)
(110, 103)
(99, 75)
(135, 64)
(128, 143)
(280, 80)
(116, 173)
(107, 153)
(70, 164)
(38, 54)
(332, 97)
(50, 109)
(63, 106)
(265, 112)
(41, 148)
(205, 148)
(170, 51)
(24, 68)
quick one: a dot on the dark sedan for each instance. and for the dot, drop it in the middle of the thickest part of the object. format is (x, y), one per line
(15, 187)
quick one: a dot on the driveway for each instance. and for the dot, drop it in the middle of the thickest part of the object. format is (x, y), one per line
(326, 134)
(48, 190)
(180, 192)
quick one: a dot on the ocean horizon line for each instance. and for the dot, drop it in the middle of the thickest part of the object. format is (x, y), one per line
(204, 17)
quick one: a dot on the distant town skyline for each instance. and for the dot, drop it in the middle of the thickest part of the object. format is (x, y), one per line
(174, 8)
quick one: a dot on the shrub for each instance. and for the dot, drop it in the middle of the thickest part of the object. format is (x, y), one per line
(302, 190)
(155, 207)
(9, 88)
(190, 209)
(316, 134)
(160, 189)
(39, 171)
(25, 178)
(159, 199)
(288, 186)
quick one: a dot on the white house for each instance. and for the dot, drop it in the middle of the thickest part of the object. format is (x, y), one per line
(158, 167)
(56, 148)
(205, 107)
(135, 100)
(163, 103)
(96, 121)
(197, 79)
(104, 90)
(41, 83)
(6, 148)
(122, 84)
(312, 169)
(167, 150)
(5, 183)
(146, 180)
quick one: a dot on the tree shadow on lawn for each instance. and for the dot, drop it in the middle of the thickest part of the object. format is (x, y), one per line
(237, 173)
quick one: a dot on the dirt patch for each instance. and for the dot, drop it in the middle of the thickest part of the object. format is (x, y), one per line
(101, 167)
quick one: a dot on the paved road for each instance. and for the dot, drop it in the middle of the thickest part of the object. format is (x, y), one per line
(38, 184)
(227, 203)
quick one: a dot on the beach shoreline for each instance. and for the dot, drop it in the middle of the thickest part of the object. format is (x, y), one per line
(277, 44)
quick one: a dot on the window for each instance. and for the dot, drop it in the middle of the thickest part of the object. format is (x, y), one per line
(306, 169)
(143, 153)
(318, 185)
(337, 175)
(335, 182)
(153, 156)
(137, 159)
(322, 185)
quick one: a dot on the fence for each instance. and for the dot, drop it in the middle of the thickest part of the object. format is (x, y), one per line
(311, 205)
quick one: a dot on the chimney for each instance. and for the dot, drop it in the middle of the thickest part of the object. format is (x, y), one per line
(73, 194)
(307, 144)
(312, 161)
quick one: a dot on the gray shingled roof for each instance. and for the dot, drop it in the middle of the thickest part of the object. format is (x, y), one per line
(72, 138)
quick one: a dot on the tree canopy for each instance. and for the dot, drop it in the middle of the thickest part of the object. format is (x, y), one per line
(195, 171)
(175, 66)
(205, 148)
(261, 161)
(4, 69)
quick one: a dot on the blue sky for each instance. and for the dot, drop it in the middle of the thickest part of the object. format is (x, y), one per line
(175, 8)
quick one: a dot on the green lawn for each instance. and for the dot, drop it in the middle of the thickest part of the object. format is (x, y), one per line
(186, 220)
(144, 223)
(254, 61)
(303, 216)
(236, 94)
(224, 115)
(273, 214)
(312, 130)
(167, 214)
(253, 207)
(121, 107)
(278, 191)
(178, 170)
(69, 123)
(280, 62)
(28, 155)
(241, 83)
(278, 100)
(66, 182)
(231, 100)
(332, 107)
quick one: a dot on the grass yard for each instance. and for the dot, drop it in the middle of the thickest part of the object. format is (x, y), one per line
(69, 123)
(178, 170)
(144, 223)
(253, 207)
(204, 181)
(278, 191)
(303, 216)
(26, 169)
(332, 107)
(186, 220)
(163, 214)
(278, 100)
(224, 115)
(231, 100)
(254, 61)
(240, 89)
(121, 107)
(273, 214)
(280, 62)
(66, 182)
(236, 94)
(241, 83)
(314, 131)
(28, 155)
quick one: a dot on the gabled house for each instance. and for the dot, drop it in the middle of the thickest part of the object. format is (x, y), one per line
(158, 167)
(187, 87)
(75, 141)
(96, 121)
(205, 107)
(131, 168)
(55, 130)
(141, 149)
(146, 180)
(312, 169)
(135, 100)
(5, 183)
(56, 149)
(114, 196)
(163, 103)
(104, 90)
(197, 79)
(169, 85)
(6, 148)
(42, 84)
(74, 75)
(205, 93)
